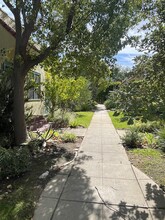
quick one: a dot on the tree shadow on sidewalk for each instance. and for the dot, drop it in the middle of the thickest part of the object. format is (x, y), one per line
(156, 201)
(76, 196)
(79, 199)
(156, 197)
(70, 197)
(122, 211)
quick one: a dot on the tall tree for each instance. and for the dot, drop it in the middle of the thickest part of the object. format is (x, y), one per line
(76, 64)
(64, 93)
(144, 94)
(59, 26)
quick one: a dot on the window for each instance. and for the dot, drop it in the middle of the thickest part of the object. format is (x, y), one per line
(34, 91)
(6, 65)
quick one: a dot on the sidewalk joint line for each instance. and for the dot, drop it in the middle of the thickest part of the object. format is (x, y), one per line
(108, 205)
(61, 194)
(141, 190)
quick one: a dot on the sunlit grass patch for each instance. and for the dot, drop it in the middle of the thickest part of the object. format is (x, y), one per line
(82, 119)
(150, 161)
(118, 121)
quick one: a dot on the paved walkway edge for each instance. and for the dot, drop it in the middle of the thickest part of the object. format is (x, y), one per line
(102, 183)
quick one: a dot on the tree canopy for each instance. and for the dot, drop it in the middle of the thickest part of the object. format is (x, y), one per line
(58, 27)
(143, 93)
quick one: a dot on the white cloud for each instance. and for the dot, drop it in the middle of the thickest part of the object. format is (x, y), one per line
(129, 50)
(125, 57)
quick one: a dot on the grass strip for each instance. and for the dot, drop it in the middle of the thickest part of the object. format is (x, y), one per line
(118, 120)
(83, 118)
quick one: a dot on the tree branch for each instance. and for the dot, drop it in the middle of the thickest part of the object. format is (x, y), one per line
(29, 26)
(31, 61)
(70, 18)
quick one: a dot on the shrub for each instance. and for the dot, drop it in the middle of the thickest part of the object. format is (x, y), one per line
(60, 119)
(68, 137)
(59, 122)
(132, 139)
(73, 124)
(161, 139)
(148, 127)
(34, 145)
(5, 140)
(6, 109)
(89, 106)
(50, 133)
(13, 162)
(110, 103)
(37, 139)
(150, 140)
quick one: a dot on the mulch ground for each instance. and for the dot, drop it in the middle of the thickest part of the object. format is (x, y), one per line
(27, 188)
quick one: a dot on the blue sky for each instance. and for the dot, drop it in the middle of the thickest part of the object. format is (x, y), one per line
(124, 57)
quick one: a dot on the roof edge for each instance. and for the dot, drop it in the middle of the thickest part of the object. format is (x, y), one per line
(8, 28)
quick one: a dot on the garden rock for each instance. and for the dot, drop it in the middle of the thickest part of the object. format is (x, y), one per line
(44, 175)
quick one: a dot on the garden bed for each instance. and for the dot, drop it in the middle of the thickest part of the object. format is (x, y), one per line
(147, 157)
(151, 162)
(18, 196)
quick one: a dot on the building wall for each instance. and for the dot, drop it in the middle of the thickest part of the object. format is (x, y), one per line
(7, 41)
(38, 107)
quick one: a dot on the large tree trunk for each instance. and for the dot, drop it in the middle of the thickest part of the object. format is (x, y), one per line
(18, 112)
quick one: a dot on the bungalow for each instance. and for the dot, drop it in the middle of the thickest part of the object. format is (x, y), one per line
(7, 45)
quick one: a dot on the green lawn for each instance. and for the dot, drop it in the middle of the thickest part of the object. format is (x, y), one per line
(117, 121)
(83, 119)
(150, 161)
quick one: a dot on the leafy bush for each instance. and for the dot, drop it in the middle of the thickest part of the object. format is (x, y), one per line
(37, 139)
(60, 122)
(150, 140)
(68, 137)
(60, 119)
(6, 109)
(132, 139)
(13, 162)
(88, 106)
(34, 145)
(161, 139)
(5, 141)
(111, 103)
(73, 124)
(150, 126)
(50, 133)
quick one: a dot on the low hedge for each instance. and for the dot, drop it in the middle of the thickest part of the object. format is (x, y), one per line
(13, 162)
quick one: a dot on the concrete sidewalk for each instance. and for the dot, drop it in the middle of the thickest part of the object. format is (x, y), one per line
(102, 184)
